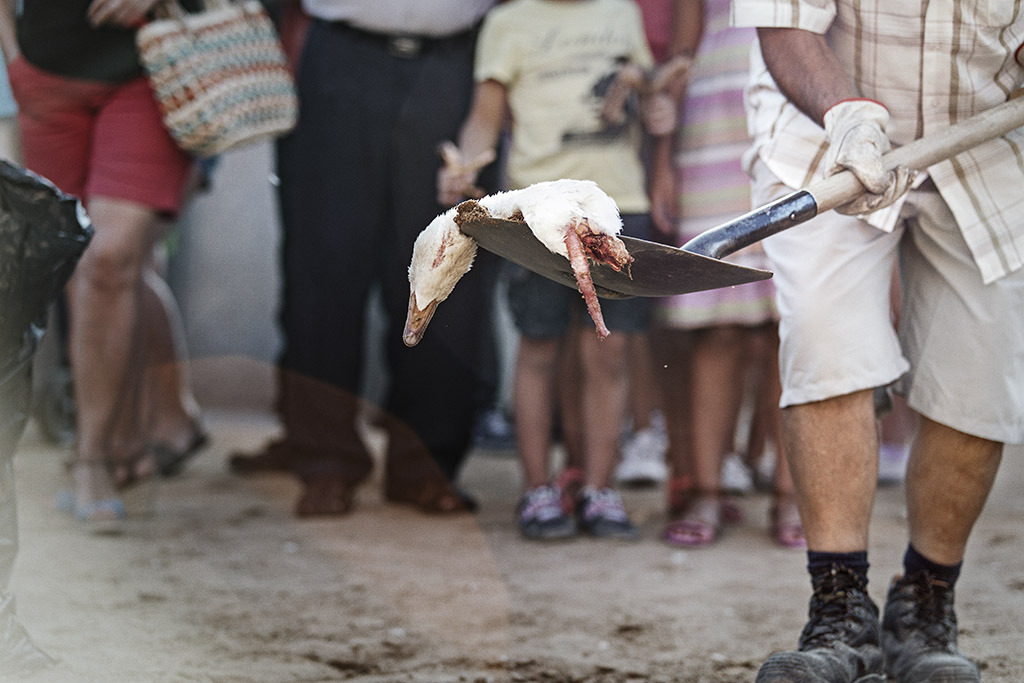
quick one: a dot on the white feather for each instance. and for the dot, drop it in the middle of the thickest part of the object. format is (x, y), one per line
(440, 257)
(550, 207)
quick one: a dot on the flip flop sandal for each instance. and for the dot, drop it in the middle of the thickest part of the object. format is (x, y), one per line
(690, 533)
(170, 461)
(102, 516)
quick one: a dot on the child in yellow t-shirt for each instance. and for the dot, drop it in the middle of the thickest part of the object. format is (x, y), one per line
(550, 64)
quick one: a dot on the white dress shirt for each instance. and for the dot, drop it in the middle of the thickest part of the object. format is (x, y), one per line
(433, 18)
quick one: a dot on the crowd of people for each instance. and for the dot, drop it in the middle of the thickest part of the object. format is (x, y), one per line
(687, 113)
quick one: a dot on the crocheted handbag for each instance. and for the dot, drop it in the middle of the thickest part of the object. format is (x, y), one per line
(219, 75)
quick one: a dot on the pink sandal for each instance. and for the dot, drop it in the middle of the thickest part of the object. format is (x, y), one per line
(787, 528)
(698, 528)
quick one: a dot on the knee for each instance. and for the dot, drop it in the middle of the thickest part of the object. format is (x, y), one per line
(538, 355)
(606, 357)
(110, 266)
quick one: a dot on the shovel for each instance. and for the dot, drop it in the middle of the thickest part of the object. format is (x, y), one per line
(660, 270)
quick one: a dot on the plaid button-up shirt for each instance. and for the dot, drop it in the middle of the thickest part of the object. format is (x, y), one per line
(932, 64)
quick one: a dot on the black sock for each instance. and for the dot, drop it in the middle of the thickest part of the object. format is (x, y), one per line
(857, 562)
(914, 562)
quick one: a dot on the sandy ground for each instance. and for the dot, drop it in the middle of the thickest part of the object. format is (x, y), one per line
(224, 584)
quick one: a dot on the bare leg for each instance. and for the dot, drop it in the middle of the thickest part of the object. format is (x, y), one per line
(570, 379)
(603, 397)
(949, 477)
(786, 527)
(718, 381)
(672, 350)
(105, 340)
(643, 388)
(534, 401)
(168, 393)
(832, 446)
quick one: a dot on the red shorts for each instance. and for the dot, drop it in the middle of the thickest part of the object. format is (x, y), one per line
(94, 139)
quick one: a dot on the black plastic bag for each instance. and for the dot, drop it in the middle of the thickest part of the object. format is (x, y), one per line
(42, 234)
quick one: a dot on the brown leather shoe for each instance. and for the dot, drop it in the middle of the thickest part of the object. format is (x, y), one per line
(434, 496)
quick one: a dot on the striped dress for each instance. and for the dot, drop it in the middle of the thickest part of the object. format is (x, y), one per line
(712, 186)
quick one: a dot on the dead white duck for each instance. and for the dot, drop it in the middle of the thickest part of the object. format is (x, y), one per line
(572, 218)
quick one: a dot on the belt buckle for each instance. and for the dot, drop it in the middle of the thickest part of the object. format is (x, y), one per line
(405, 47)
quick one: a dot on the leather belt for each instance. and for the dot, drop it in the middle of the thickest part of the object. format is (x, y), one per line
(401, 45)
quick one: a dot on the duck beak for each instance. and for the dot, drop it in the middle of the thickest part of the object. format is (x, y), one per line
(416, 321)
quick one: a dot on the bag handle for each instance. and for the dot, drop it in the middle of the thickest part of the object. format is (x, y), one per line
(172, 9)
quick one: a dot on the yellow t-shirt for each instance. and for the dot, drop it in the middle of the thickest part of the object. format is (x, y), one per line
(556, 59)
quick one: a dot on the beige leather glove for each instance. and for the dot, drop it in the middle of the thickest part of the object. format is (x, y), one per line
(855, 130)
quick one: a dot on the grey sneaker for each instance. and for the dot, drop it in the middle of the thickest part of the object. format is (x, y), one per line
(540, 516)
(839, 643)
(919, 633)
(601, 513)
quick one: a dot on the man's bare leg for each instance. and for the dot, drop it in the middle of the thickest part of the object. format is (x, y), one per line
(949, 477)
(832, 446)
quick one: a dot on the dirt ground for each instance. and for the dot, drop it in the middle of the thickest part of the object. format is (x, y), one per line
(224, 584)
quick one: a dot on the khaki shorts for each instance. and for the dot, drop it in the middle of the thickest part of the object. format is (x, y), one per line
(959, 352)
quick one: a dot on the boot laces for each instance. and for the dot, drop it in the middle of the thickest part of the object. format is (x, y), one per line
(932, 610)
(836, 594)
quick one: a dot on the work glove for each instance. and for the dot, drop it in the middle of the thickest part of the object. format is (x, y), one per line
(855, 131)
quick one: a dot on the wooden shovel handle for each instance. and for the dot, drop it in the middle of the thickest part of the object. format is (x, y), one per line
(923, 152)
(821, 196)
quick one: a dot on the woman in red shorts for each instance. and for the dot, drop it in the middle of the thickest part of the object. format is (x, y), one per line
(89, 124)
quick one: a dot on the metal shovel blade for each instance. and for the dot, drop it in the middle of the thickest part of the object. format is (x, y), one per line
(660, 270)
(657, 270)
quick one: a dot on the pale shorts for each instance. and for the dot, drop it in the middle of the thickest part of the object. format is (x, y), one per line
(959, 352)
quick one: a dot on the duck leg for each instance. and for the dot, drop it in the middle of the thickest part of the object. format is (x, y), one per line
(582, 243)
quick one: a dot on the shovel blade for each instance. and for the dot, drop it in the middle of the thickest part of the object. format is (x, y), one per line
(657, 270)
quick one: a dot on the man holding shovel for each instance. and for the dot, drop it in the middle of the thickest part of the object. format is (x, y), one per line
(835, 83)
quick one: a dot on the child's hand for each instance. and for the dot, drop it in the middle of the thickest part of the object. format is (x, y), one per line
(628, 80)
(456, 180)
(671, 76)
(664, 88)
(659, 113)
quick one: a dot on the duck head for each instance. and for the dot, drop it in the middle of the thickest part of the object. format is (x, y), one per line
(440, 257)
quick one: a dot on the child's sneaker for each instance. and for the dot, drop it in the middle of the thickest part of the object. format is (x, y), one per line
(643, 459)
(601, 514)
(540, 517)
(736, 477)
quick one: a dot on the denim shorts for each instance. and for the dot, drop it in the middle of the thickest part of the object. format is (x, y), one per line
(543, 308)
